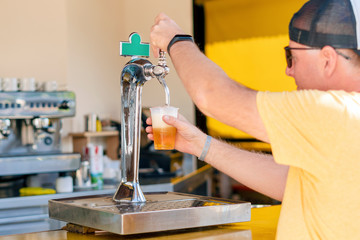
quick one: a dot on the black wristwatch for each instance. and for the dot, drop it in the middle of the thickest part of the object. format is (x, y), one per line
(177, 38)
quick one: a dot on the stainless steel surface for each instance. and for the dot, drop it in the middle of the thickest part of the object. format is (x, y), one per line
(82, 176)
(159, 70)
(160, 75)
(40, 163)
(21, 105)
(31, 121)
(162, 211)
(4, 128)
(27, 135)
(30, 144)
(30, 132)
(40, 123)
(26, 214)
(30, 214)
(133, 77)
(132, 80)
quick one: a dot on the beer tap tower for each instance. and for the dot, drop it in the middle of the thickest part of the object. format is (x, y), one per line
(130, 211)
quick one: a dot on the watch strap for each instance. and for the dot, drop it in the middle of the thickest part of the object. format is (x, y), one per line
(178, 38)
(205, 148)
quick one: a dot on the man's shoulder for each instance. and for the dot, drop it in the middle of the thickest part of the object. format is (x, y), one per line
(315, 95)
(311, 101)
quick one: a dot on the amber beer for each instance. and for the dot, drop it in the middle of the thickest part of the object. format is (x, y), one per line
(164, 134)
(164, 138)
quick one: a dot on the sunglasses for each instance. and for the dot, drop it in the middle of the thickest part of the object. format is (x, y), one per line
(289, 56)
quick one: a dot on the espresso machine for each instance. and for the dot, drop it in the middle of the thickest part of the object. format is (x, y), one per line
(30, 133)
(129, 210)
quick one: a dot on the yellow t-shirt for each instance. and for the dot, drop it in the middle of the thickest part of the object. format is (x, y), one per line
(317, 134)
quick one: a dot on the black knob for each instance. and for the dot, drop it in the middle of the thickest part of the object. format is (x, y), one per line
(48, 141)
(64, 105)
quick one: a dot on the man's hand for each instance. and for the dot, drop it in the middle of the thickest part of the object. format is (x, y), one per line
(163, 30)
(189, 138)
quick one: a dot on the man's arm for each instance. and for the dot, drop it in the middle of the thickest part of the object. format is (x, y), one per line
(215, 94)
(255, 170)
(220, 97)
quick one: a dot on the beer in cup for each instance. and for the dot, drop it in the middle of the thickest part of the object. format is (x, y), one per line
(164, 134)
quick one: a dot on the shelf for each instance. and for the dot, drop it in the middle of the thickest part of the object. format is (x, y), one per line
(95, 134)
(81, 139)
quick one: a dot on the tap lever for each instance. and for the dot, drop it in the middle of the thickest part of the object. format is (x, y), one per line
(134, 47)
(162, 58)
(160, 70)
(162, 62)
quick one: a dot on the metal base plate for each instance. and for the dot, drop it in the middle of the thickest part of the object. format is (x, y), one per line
(161, 211)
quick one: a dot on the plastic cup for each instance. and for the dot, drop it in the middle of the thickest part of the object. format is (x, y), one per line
(164, 134)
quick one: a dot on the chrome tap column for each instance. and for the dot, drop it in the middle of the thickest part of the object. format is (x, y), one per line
(133, 77)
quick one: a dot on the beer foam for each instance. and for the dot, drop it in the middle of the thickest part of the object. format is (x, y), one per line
(158, 112)
(157, 121)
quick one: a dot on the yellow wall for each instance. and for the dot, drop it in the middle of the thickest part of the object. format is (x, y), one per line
(246, 38)
(234, 19)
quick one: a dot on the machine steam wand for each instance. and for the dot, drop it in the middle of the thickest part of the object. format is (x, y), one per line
(134, 75)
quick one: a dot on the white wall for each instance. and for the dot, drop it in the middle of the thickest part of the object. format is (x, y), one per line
(76, 43)
(33, 39)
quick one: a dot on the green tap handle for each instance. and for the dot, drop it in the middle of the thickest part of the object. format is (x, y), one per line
(134, 47)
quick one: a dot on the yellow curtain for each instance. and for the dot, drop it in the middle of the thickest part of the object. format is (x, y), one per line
(246, 38)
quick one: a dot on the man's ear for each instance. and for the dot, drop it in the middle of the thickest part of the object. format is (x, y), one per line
(329, 59)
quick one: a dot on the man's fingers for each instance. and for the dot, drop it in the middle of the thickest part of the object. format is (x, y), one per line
(149, 121)
(151, 137)
(149, 129)
(155, 51)
(177, 123)
(160, 16)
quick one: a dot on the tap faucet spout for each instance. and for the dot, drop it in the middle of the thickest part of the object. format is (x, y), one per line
(160, 70)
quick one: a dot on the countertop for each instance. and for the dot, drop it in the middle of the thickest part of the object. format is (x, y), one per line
(262, 226)
(30, 214)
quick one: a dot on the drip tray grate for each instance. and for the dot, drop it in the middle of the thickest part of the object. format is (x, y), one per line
(162, 211)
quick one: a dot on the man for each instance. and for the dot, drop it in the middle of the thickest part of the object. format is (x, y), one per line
(314, 131)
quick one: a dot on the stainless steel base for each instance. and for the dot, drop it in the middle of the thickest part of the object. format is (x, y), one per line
(162, 211)
(39, 163)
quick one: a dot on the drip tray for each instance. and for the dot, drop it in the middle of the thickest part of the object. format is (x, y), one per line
(162, 211)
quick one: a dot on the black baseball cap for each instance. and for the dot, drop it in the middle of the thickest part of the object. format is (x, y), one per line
(334, 23)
